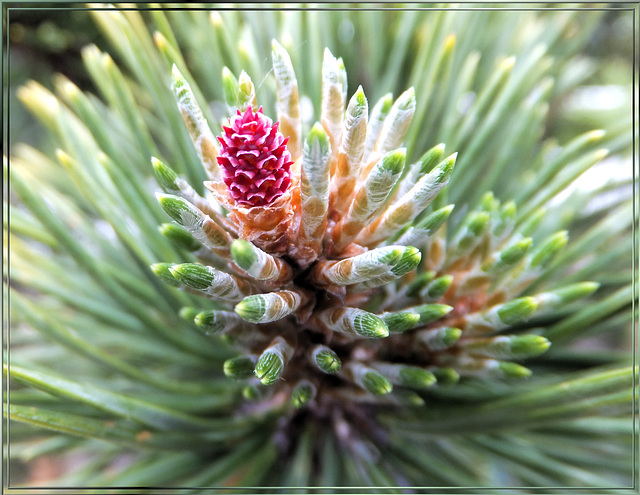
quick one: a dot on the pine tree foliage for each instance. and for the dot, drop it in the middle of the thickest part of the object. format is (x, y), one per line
(422, 294)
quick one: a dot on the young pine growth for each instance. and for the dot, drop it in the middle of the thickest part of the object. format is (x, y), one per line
(338, 301)
(305, 282)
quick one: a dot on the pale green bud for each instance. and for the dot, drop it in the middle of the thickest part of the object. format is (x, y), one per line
(240, 367)
(376, 383)
(193, 275)
(317, 137)
(269, 368)
(409, 259)
(302, 394)
(251, 392)
(432, 222)
(165, 176)
(415, 377)
(574, 292)
(188, 313)
(327, 360)
(393, 161)
(216, 321)
(369, 325)
(420, 282)
(532, 221)
(211, 281)
(526, 346)
(179, 236)
(446, 376)
(268, 307)
(549, 248)
(472, 230)
(513, 370)
(508, 257)
(406, 376)
(507, 346)
(565, 295)
(272, 361)
(179, 209)
(431, 158)
(243, 253)
(439, 287)
(488, 202)
(517, 311)
(506, 219)
(162, 270)
(378, 114)
(513, 254)
(425, 225)
(353, 321)
(230, 88)
(397, 121)
(436, 339)
(246, 91)
(431, 312)
(408, 398)
(401, 321)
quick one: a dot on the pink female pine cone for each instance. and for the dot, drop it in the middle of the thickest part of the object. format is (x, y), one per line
(254, 158)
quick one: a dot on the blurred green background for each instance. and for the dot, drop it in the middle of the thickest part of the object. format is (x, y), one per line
(48, 39)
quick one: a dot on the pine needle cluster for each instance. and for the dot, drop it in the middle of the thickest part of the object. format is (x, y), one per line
(239, 268)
